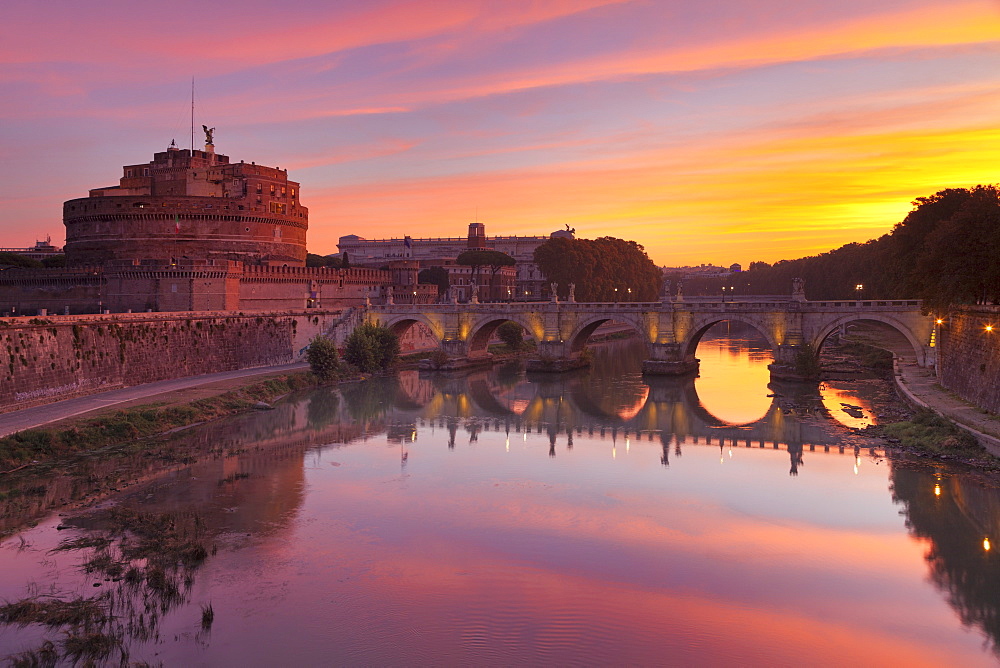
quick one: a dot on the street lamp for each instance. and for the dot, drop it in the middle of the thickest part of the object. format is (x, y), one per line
(616, 295)
(630, 294)
(857, 291)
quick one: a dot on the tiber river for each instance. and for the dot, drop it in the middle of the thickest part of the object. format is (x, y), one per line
(590, 518)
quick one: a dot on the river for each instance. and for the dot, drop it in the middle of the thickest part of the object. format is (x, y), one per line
(495, 519)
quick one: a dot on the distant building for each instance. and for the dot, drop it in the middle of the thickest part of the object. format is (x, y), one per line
(40, 251)
(701, 271)
(190, 231)
(528, 281)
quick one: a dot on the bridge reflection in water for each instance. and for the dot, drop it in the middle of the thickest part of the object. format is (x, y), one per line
(601, 403)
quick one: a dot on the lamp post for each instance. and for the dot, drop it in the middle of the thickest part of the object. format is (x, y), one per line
(616, 295)
(630, 294)
(857, 292)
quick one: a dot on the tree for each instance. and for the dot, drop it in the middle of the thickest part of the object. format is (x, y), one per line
(314, 260)
(371, 347)
(435, 276)
(511, 334)
(598, 267)
(322, 357)
(945, 251)
(54, 261)
(485, 258)
(16, 260)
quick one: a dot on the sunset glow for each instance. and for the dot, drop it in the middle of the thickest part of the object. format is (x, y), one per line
(715, 132)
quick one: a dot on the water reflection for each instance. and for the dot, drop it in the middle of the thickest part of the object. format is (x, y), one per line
(609, 401)
(497, 518)
(734, 355)
(958, 517)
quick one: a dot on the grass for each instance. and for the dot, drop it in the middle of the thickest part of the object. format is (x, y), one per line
(929, 432)
(54, 612)
(40, 445)
(147, 562)
(207, 617)
(868, 356)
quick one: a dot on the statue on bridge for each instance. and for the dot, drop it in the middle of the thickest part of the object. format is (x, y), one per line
(680, 291)
(665, 291)
(572, 293)
(388, 296)
(553, 287)
(475, 293)
(798, 289)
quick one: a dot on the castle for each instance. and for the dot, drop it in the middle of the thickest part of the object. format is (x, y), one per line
(192, 231)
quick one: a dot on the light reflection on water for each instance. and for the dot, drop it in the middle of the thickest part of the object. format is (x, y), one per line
(588, 518)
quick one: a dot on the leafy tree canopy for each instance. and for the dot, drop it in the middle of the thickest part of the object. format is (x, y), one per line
(435, 276)
(485, 258)
(16, 260)
(313, 260)
(946, 251)
(597, 267)
(322, 357)
(371, 347)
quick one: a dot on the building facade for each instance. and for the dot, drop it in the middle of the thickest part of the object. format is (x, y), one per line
(528, 281)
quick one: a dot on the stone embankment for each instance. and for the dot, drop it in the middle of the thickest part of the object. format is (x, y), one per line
(969, 355)
(58, 357)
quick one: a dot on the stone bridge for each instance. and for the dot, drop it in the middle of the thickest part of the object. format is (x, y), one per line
(671, 329)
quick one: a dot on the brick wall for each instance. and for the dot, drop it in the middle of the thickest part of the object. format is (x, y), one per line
(47, 359)
(969, 355)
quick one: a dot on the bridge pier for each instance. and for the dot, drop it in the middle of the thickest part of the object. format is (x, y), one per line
(459, 357)
(666, 359)
(786, 364)
(555, 356)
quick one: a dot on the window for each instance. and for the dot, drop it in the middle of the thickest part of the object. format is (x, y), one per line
(128, 173)
(282, 191)
(259, 188)
(272, 188)
(145, 171)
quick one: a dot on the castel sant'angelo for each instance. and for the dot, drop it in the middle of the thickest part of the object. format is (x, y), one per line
(193, 205)
(193, 231)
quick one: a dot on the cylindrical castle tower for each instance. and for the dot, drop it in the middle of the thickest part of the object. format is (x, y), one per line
(191, 205)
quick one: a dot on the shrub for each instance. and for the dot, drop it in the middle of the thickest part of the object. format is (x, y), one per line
(439, 358)
(807, 362)
(511, 333)
(371, 347)
(322, 357)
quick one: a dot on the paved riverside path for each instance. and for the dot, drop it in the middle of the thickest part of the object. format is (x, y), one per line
(37, 416)
(920, 385)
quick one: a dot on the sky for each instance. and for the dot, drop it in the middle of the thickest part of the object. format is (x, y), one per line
(716, 131)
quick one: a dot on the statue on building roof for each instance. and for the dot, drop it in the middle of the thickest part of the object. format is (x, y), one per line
(208, 133)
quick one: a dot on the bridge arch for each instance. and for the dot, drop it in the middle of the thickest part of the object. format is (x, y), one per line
(919, 350)
(482, 330)
(701, 326)
(587, 326)
(399, 324)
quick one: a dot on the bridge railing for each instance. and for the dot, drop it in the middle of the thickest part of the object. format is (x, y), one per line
(692, 304)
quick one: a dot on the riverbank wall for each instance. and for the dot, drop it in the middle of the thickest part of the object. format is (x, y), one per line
(48, 359)
(968, 357)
